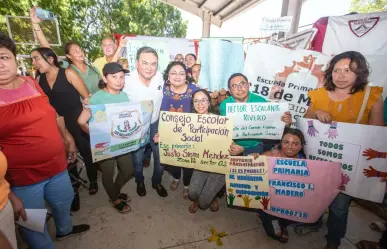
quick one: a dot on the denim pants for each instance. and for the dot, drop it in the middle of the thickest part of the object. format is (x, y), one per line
(138, 159)
(267, 223)
(148, 151)
(337, 219)
(58, 193)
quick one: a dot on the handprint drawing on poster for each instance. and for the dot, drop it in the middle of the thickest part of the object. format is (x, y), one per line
(344, 181)
(371, 171)
(311, 129)
(332, 132)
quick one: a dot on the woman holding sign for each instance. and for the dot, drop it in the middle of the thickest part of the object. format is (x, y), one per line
(177, 98)
(111, 85)
(291, 146)
(346, 97)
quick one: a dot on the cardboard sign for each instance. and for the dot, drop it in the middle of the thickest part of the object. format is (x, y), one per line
(257, 120)
(195, 140)
(117, 129)
(356, 147)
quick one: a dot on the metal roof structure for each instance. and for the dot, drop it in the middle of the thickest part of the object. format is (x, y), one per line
(218, 11)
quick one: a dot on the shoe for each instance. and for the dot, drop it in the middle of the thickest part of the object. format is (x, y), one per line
(77, 230)
(174, 184)
(93, 188)
(185, 193)
(146, 162)
(141, 191)
(76, 204)
(161, 191)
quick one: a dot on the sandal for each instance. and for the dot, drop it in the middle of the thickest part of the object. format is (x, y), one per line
(366, 244)
(174, 184)
(93, 188)
(283, 237)
(214, 205)
(123, 197)
(193, 207)
(304, 229)
(378, 226)
(123, 207)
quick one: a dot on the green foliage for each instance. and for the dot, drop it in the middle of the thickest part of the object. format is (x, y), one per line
(367, 6)
(88, 21)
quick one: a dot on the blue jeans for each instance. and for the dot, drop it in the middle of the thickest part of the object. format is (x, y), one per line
(138, 159)
(58, 193)
(148, 151)
(337, 219)
(256, 149)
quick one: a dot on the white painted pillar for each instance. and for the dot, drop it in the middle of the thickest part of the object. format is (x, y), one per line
(292, 8)
(206, 18)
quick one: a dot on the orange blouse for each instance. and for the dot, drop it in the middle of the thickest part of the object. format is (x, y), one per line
(4, 186)
(347, 110)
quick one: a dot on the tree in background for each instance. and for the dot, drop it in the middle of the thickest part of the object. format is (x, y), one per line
(88, 21)
(367, 6)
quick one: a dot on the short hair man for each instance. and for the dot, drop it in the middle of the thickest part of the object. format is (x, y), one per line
(110, 52)
(146, 83)
(238, 86)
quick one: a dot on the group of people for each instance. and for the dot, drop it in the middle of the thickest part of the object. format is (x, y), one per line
(46, 125)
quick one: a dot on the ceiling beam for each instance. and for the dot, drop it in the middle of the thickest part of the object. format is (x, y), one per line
(240, 9)
(222, 8)
(203, 3)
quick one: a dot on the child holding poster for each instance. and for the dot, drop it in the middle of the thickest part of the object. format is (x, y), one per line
(111, 85)
(291, 146)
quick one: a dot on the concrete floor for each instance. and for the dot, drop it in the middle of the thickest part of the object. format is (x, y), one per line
(161, 223)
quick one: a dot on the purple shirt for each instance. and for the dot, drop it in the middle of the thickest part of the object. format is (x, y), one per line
(174, 102)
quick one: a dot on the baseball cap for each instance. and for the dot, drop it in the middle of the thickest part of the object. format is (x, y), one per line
(112, 68)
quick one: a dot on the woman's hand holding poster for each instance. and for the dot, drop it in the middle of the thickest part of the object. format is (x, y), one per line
(359, 149)
(294, 189)
(195, 141)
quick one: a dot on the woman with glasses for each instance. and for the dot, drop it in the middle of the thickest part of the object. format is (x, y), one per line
(290, 146)
(177, 95)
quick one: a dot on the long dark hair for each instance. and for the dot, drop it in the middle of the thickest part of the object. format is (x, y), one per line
(358, 64)
(297, 133)
(46, 53)
(67, 49)
(169, 67)
(207, 95)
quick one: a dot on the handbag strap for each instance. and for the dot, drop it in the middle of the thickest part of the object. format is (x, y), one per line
(365, 100)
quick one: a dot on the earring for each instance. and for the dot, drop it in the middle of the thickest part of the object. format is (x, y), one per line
(186, 82)
(167, 82)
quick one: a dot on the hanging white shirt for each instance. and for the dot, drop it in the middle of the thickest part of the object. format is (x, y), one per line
(138, 91)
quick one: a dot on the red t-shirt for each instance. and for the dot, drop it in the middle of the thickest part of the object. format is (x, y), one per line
(29, 135)
(318, 40)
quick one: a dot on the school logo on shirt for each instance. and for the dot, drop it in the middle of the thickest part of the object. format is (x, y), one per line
(125, 124)
(362, 26)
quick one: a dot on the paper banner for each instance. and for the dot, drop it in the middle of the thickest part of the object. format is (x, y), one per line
(161, 48)
(219, 60)
(116, 129)
(36, 219)
(195, 141)
(247, 183)
(300, 40)
(283, 75)
(346, 143)
(276, 24)
(257, 120)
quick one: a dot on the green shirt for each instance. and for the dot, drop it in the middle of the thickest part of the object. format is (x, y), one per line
(102, 97)
(253, 98)
(91, 78)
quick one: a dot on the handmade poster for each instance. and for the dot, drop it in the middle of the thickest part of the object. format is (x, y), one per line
(364, 33)
(133, 45)
(283, 75)
(359, 148)
(219, 60)
(301, 190)
(247, 182)
(116, 129)
(257, 120)
(300, 40)
(195, 141)
(276, 24)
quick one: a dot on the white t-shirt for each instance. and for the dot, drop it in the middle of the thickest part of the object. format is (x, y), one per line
(138, 91)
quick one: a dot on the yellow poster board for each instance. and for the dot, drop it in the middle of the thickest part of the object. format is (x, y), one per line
(199, 141)
(248, 183)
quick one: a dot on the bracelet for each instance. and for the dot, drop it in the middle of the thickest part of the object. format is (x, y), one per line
(37, 30)
(377, 173)
(379, 155)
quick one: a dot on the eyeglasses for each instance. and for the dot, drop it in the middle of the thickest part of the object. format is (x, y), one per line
(286, 142)
(241, 85)
(174, 74)
(201, 101)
